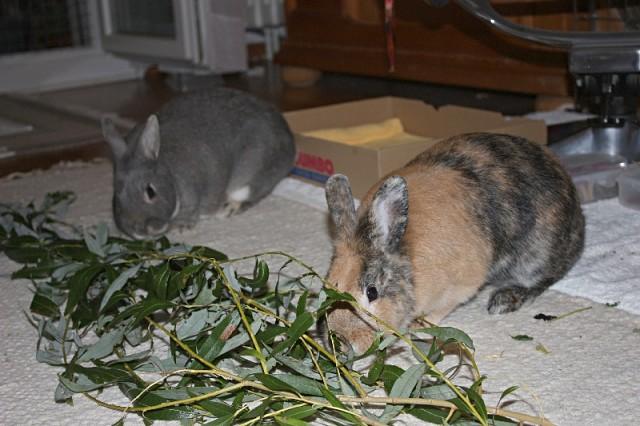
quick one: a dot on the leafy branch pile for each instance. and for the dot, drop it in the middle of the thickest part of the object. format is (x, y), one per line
(185, 337)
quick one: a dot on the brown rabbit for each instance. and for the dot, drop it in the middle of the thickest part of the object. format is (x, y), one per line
(471, 210)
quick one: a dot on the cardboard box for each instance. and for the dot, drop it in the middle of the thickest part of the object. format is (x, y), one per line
(366, 164)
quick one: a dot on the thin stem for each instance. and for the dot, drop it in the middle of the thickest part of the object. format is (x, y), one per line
(272, 414)
(246, 383)
(243, 316)
(307, 347)
(186, 401)
(559, 317)
(192, 354)
(426, 359)
(314, 344)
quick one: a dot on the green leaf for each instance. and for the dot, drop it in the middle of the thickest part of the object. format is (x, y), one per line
(507, 392)
(239, 339)
(78, 285)
(208, 253)
(26, 253)
(390, 373)
(140, 310)
(222, 421)
(302, 412)
(102, 234)
(260, 275)
(298, 366)
(302, 385)
(448, 334)
(104, 346)
(57, 202)
(66, 269)
(442, 392)
(478, 402)
(217, 409)
(522, 337)
(93, 245)
(44, 306)
(336, 403)
(179, 412)
(72, 250)
(500, 421)
(274, 383)
(160, 280)
(338, 296)
(118, 283)
(270, 333)
(120, 422)
(193, 324)
(42, 270)
(139, 356)
(428, 414)
(403, 388)
(212, 346)
(288, 421)
(62, 394)
(387, 341)
(300, 326)
(179, 392)
(92, 378)
(376, 370)
(302, 303)
(258, 411)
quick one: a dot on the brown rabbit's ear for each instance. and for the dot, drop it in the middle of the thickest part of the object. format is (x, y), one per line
(112, 136)
(341, 205)
(389, 213)
(149, 143)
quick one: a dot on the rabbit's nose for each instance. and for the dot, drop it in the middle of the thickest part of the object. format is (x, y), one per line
(155, 226)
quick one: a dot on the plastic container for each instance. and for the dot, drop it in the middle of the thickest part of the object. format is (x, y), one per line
(594, 175)
(629, 183)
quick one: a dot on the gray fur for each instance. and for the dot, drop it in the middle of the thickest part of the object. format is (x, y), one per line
(341, 205)
(206, 145)
(389, 214)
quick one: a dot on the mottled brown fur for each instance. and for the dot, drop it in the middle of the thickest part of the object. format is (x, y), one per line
(481, 208)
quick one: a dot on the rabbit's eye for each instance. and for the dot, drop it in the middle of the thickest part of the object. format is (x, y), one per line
(372, 293)
(149, 193)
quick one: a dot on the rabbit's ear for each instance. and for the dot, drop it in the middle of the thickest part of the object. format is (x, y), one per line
(149, 143)
(341, 205)
(116, 143)
(389, 213)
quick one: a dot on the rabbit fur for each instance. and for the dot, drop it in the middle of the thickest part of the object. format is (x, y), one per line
(218, 150)
(471, 210)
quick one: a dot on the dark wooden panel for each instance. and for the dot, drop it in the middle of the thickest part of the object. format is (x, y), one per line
(440, 45)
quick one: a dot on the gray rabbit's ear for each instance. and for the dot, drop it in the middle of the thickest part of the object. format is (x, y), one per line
(341, 205)
(116, 143)
(149, 143)
(389, 214)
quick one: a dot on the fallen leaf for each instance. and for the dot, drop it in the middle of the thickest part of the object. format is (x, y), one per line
(541, 348)
(522, 337)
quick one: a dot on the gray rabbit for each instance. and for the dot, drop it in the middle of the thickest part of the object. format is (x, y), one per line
(471, 210)
(218, 150)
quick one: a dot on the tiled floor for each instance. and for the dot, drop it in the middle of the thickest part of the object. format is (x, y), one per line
(65, 136)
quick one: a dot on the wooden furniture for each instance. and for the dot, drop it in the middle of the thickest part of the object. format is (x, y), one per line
(439, 45)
